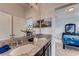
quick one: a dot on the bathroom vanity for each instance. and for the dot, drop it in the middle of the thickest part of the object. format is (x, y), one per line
(41, 47)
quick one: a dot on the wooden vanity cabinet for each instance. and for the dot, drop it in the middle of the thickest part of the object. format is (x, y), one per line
(45, 51)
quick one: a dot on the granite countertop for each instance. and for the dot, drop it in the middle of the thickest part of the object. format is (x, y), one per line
(38, 45)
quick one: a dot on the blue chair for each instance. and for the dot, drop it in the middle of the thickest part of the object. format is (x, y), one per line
(70, 37)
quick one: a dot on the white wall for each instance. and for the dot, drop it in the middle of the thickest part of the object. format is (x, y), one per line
(63, 17)
(31, 12)
(8, 10)
(5, 26)
(13, 9)
(18, 25)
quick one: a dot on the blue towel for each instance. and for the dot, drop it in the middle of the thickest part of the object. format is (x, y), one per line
(4, 48)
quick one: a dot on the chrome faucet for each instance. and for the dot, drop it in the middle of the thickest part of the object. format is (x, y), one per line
(14, 39)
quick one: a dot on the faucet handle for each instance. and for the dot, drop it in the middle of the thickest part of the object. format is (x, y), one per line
(12, 35)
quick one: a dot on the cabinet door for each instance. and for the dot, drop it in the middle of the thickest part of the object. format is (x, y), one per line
(5, 26)
(47, 49)
(18, 25)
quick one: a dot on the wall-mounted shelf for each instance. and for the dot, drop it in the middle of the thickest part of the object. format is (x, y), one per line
(43, 23)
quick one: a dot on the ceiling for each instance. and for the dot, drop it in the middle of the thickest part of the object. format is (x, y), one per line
(36, 5)
(27, 5)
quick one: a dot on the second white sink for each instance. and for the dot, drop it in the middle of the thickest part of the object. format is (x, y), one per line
(25, 49)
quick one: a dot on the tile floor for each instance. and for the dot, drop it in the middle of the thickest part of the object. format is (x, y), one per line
(69, 51)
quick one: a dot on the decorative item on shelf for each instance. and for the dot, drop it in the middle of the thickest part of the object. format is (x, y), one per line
(31, 39)
(44, 23)
(28, 32)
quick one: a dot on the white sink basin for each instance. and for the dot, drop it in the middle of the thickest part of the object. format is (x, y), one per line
(25, 49)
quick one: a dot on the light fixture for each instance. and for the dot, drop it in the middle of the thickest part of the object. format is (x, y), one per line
(71, 9)
(33, 5)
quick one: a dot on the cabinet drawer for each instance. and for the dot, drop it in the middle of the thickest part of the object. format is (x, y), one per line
(46, 46)
(43, 50)
(39, 53)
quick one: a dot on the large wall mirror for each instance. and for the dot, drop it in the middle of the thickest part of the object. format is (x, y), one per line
(29, 23)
